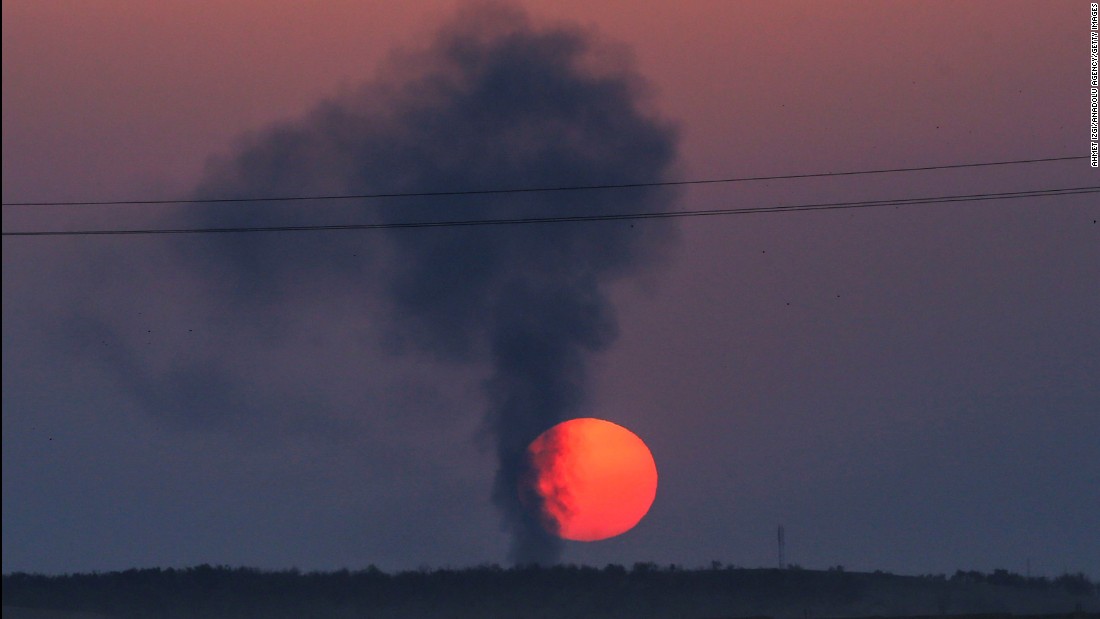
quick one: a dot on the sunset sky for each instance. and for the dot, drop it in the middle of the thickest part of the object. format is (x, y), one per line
(906, 388)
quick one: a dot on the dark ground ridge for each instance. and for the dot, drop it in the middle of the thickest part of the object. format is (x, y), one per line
(644, 591)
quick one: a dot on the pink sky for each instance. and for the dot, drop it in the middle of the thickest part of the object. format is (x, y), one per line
(103, 100)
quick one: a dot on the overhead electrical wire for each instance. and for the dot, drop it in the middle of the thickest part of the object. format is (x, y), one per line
(477, 192)
(1036, 193)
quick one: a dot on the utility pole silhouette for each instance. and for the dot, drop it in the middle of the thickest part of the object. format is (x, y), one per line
(782, 547)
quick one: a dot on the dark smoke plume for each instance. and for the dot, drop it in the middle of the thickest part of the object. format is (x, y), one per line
(493, 102)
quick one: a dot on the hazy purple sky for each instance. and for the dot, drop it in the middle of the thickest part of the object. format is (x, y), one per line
(911, 389)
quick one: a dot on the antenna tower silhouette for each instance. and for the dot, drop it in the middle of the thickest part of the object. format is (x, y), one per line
(782, 547)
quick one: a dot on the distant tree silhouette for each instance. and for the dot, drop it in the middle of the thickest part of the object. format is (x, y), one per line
(646, 590)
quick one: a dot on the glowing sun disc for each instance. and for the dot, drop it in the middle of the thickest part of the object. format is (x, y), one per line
(594, 479)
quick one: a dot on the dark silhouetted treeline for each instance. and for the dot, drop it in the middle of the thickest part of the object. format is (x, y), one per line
(642, 591)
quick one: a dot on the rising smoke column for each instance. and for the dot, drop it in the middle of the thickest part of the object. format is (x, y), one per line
(495, 101)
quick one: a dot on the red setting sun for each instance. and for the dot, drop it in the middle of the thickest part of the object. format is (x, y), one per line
(595, 479)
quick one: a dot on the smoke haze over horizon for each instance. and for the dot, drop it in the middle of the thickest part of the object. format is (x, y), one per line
(492, 102)
(905, 388)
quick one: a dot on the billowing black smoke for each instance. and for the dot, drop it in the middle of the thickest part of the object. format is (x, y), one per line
(493, 102)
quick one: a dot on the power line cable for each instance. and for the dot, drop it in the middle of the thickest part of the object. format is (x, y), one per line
(1036, 193)
(478, 192)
